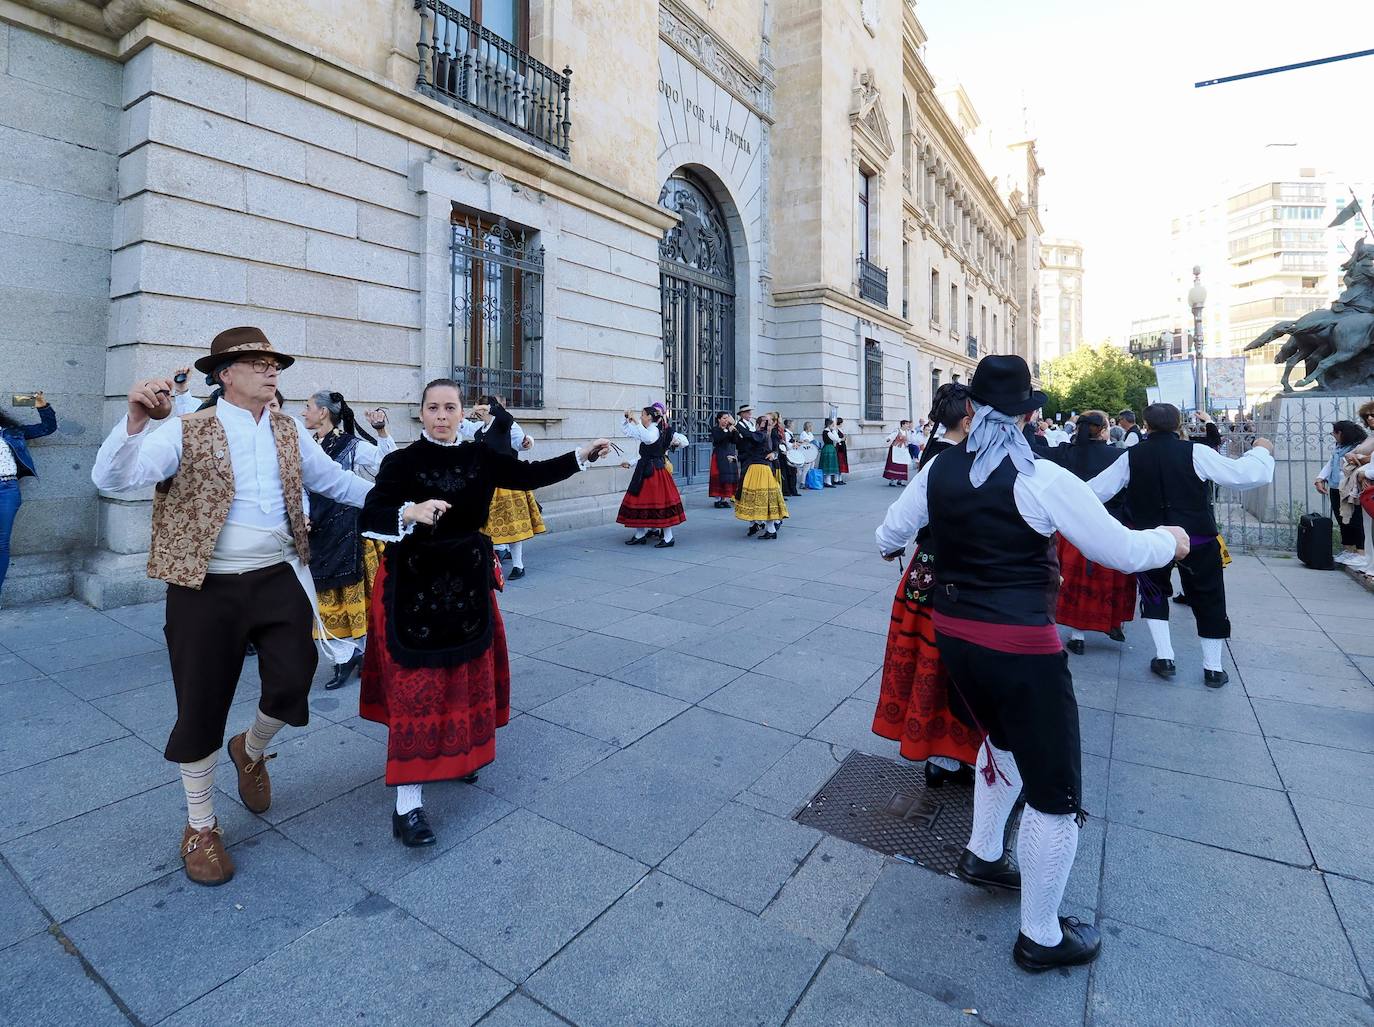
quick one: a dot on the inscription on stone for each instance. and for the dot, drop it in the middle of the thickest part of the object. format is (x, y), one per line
(695, 111)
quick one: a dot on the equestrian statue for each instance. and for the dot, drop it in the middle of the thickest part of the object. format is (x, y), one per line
(1336, 343)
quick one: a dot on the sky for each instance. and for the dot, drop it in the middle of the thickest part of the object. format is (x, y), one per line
(1128, 143)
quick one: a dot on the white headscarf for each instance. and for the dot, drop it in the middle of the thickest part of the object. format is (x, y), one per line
(993, 437)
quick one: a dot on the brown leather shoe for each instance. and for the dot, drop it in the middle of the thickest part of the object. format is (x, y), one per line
(207, 860)
(255, 788)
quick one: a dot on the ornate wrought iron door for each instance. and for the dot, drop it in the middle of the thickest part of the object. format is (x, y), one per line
(697, 286)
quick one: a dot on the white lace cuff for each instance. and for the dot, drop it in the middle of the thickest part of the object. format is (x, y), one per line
(402, 528)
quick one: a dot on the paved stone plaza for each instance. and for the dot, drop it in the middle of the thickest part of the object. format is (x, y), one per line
(630, 859)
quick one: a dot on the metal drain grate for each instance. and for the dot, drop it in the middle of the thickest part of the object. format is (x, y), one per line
(884, 805)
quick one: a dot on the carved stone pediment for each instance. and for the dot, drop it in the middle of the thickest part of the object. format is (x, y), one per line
(872, 130)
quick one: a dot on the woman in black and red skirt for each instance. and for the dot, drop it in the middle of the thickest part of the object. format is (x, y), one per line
(841, 450)
(1092, 597)
(913, 697)
(436, 671)
(724, 482)
(652, 500)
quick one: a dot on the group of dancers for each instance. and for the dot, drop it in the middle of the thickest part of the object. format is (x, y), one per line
(1014, 537)
(975, 674)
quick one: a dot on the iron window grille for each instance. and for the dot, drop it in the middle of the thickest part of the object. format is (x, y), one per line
(497, 321)
(466, 65)
(873, 381)
(972, 343)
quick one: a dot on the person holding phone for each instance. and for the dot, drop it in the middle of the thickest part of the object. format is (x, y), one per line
(16, 463)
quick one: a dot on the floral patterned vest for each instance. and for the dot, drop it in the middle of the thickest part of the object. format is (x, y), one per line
(191, 507)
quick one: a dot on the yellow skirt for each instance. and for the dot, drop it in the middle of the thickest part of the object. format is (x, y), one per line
(760, 496)
(344, 609)
(514, 517)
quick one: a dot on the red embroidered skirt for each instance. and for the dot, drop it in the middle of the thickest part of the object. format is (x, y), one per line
(658, 504)
(442, 721)
(842, 453)
(723, 486)
(913, 698)
(1093, 597)
(892, 470)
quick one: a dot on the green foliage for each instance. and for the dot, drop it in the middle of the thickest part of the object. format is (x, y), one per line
(1100, 378)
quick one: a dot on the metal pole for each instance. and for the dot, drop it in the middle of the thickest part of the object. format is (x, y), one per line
(1198, 395)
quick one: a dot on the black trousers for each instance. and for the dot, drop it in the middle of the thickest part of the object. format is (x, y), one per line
(208, 629)
(789, 479)
(1025, 703)
(1352, 534)
(1200, 574)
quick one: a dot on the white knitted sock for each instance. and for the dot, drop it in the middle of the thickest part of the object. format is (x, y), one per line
(408, 798)
(198, 778)
(641, 532)
(1211, 652)
(1075, 635)
(1045, 848)
(517, 554)
(260, 735)
(1159, 631)
(340, 650)
(944, 763)
(667, 534)
(992, 803)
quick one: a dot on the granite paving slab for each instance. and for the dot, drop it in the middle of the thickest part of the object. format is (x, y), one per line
(278, 893)
(683, 959)
(1338, 835)
(43, 721)
(19, 916)
(1340, 774)
(534, 682)
(610, 710)
(534, 756)
(820, 899)
(41, 983)
(517, 892)
(786, 704)
(846, 994)
(1228, 755)
(1321, 725)
(354, 961)
(684, 676)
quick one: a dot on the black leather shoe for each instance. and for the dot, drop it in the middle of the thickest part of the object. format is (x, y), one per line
(829, 485)
(251, 650)
(841, 482)
(721, 504)
(516, 573)
(1182, 600)
(936, 776)
(1163, 668)
(470, 779)
(344, 671)
(1215, 678)
(1075, 646)
(769, 535)
(1002, 873)
(642, 540)
(412, 828)
(505, 555)
(754, 529)
(660, 544)
(1080, 945)
(1117, 635)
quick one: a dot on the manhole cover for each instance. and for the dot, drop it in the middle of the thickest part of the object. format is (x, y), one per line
(884, 805)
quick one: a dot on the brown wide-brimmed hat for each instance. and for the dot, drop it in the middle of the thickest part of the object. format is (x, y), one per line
(234, 343)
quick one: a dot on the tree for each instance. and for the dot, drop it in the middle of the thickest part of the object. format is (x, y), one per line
(1100, 378)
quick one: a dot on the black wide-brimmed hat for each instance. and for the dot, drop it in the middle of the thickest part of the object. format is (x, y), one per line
(1003, 382)
(234, 343)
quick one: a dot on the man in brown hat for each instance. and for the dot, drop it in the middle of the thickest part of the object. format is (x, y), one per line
(231, 541)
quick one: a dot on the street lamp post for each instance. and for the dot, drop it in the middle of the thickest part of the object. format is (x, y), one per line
(1197, 297)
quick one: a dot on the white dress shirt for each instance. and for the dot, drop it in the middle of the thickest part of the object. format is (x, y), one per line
(468, 431)
(1050, 499)
(1255, 468)
(640, 432)
(126, 463)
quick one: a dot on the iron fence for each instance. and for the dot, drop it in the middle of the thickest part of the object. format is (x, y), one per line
(872, 282)
(1299, 427)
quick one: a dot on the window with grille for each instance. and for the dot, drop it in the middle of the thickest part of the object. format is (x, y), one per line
(873, 381)
(497, 322)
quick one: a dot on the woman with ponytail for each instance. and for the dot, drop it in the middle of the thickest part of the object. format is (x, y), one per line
(913, 697)
(342, 562)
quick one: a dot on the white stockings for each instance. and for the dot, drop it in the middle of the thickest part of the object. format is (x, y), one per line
(1045, 848)
(992, 803)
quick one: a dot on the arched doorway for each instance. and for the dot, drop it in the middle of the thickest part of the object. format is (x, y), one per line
(697, 290)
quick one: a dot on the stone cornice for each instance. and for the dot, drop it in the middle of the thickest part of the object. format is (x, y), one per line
(685, 32)
(933, 113)
(833, 297)
(136, 24)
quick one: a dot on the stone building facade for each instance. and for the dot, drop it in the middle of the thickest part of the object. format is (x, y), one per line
(1061, 286)
(582, 206)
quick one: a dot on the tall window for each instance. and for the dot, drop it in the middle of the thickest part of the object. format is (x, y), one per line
(906, 280)
(954, 309)
(968, 315)
(934, 298)
(865, 214)
(873, 380)
(497, 322)
(509, 19)
(983, 326)
(934, 383)
(994, 334)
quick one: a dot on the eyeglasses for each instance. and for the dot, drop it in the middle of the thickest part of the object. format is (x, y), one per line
(262, 365)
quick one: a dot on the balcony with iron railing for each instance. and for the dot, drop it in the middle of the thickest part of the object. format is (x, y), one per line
(872, 282)
(471, 68)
